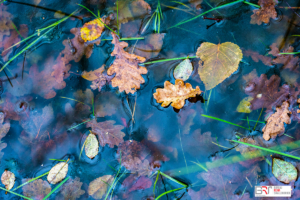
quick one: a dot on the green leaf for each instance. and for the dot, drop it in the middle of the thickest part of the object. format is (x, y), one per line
(183, 70)
(284, 171)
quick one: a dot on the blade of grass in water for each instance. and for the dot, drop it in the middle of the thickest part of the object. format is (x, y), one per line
(225, 121)
(289, 53)
(172, 179)
(201, 166)
(135, 38)
(258, 119)
(252, 4)
(250, 120)
(30, 181)
(56, 188)
(169, 59)
(15, 193)
(79, 124)
(72, 99)
(58, 160)
(167, 192)
(154, 186)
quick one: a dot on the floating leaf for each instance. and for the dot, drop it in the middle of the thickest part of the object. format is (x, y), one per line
(57, 173)
(36, 189)
(91, 146)
(91, 76)
(220, 61)
(99, 186)
(177, 94)
(265, 12)
(284, 171)
(8, 179)
(275, 123)
(183, 70)
(244, 105)
(128, 73)
(92, 30)
(71, 190)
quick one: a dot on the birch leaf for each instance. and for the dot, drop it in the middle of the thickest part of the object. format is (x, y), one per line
(91, 146)
(57, 173)
(183, 70)
(284, 171)
(220, 61)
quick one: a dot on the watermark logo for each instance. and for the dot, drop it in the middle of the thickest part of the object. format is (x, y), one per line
(272, 191)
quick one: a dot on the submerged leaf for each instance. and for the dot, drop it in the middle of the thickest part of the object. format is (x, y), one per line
(99, 186)
(177, 94)
(128, 73)
(244, 105)
(265, 12)
(8, 179)
(220, 61)
(36, 189)
(57, 173)
(4, 128)
(284, 171)
(71, 190)
(275, 123)
(183, 70)
(91, 146)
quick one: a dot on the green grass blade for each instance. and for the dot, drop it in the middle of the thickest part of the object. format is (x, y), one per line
(292, 53)
(155, 21)
(56, 188)
(158, 23)
(211, 117)
(250, 120)
(252, 4)
(172, 179)
(21, 41)
(201, 166)
(31, 180)
(169, 59)
(147, 24)
(167, 192)
(15, 193)
(222, 6)
(258, 119)
(181, 4)
(72, 99)
(154, 186)
(160, 11)
(27, 47)
(93, 107)
(79, 124)
(266, 149)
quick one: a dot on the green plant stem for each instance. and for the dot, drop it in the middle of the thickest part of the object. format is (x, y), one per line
(252, 4)
(56, 188)
(134, 38)
(258, 119)
(31, 180)
(169, 59)
(167, 192)
(15, 193)
(172, 179)
(292, 53)
(72, 99)
(211, 117)
(154, 186)
(79, 124)
(58, 160)
(250, 120)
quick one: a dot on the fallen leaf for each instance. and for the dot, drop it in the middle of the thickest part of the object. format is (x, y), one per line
(220, 61)
(71, 190)
(106, 104)
(4, 128)
(245, 148)
(76, 114)
(36, 189)
(251, 76)
(154, 134)
(244, 105)
(275, 123)
(141, 184)
(289, 77)
(183, 70)
(107, 132)
(128, 73)
(86, 96)
(91, 146)
(98, 187)
(202, 194)
(175, 94)
(8, 179)
(91, 76)
(284, 171)
(288, 60)
(267, 60)
(58, 173)
(92, 30)
(265, 12)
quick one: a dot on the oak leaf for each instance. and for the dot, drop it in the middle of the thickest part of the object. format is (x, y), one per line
(36, 189)
(8, 179)
(98, 187)
(177, 93)
(107, 132)
(4, 128)
(58, 172)
(128, 73)
(71, 190)
(141, 184)
(220, 61)
(267, 60)
(265, 12)
(275, 123)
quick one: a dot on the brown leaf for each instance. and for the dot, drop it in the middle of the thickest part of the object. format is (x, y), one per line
(8, 179)
(275, 123)
(36, 189)
(251, 76)
(220, 61)
(177, 94)
(71, 190)
(106, 104)
(288, 60)
(141, 184)
(265, 12)
(91, 75)
(107, 132)
(4, 128)
(128, 73)
(99, 186)
(86, 96)
(267, 60)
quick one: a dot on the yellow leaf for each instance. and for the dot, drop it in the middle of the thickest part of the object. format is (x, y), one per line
(244, 105)
(91, 76)
(220, 61)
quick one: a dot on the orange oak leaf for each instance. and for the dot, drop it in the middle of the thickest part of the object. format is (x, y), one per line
(265, 12)
(107, 132)
(128, 73)
(177, 93)
(275, 123)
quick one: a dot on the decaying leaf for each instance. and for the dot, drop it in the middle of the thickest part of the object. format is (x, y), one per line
(8, 179)
(284, 171)
(106, 104)
(98, 187)
(183, 70)
(245, 148)
(91, 76)
(71, 190)
(92, 30)
(36, 189)
(251, 76)
(275, 123)
(177, 94)
(220, 61)
(289, 61)
(4, 128)
(58, 173)
(91, 146)
(107, 132)
(244, 105)
(141, 184)
(128, 73)
(267, 60)
(84, 96)
(265, 12)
